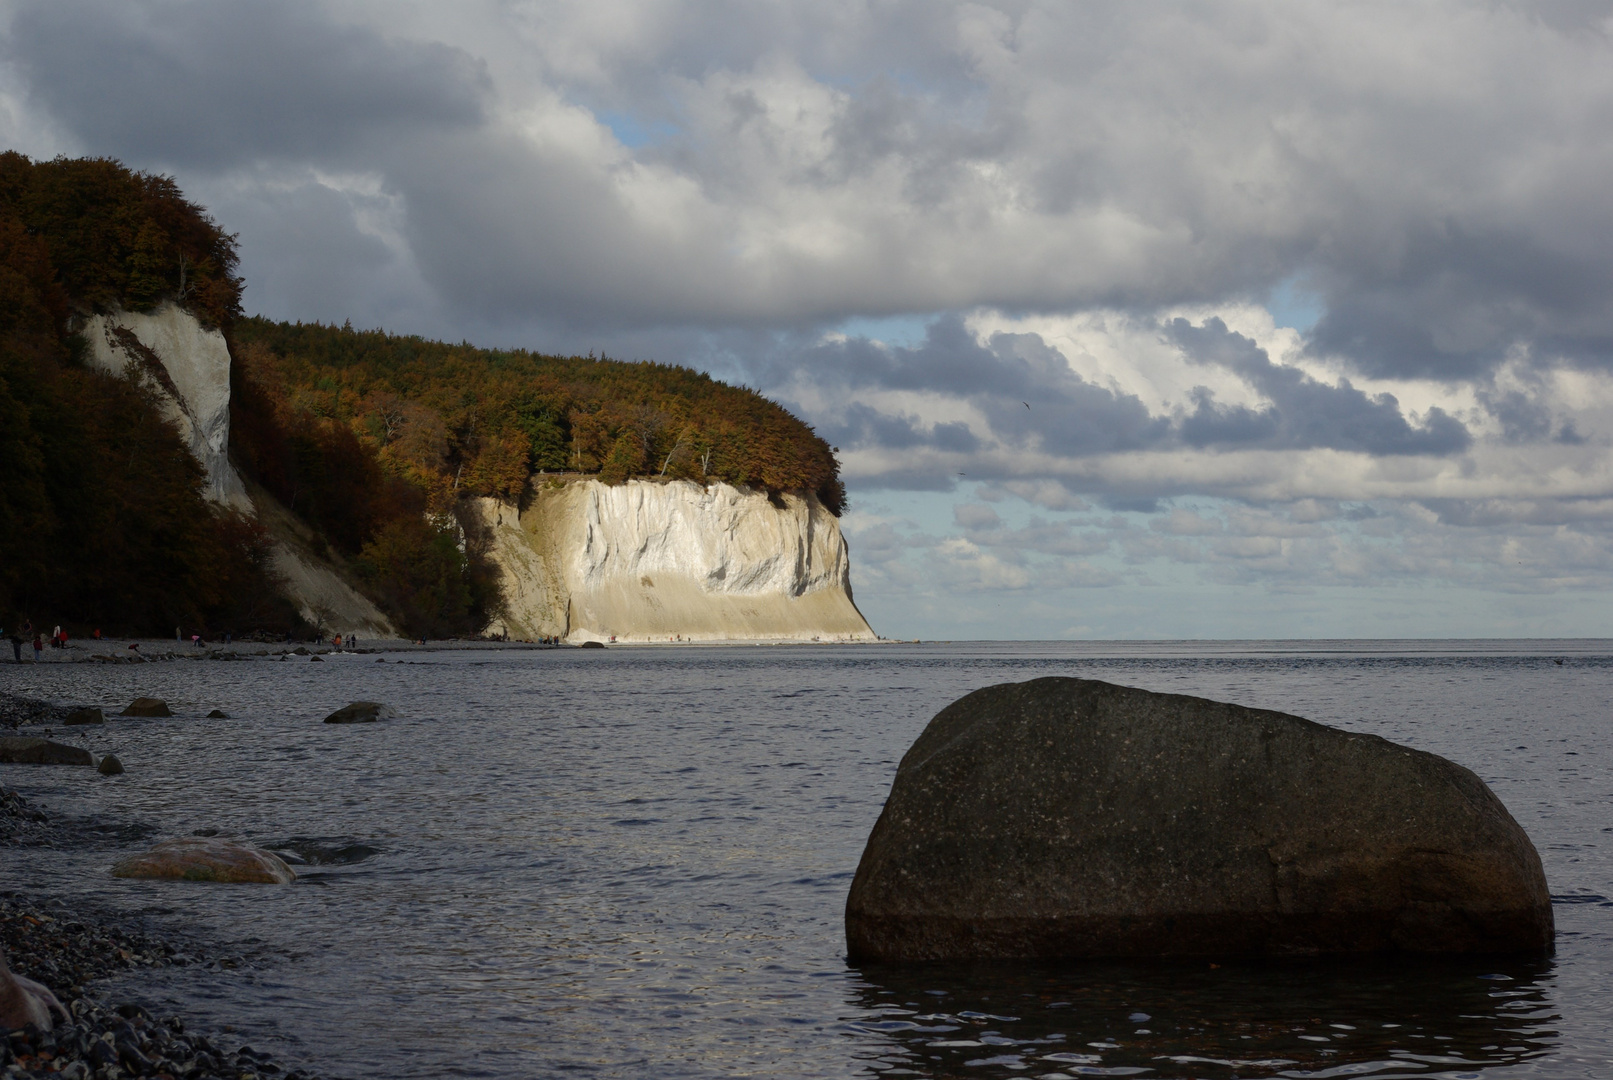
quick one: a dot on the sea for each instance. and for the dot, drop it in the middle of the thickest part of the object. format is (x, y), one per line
(633, 862)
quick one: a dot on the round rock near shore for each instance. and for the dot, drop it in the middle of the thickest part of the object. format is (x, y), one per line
(206, 858)
(360, 712)
(147, 706)
(1074, 818)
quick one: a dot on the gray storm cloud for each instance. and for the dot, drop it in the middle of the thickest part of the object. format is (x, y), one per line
(1073, 417)
(1434, 174)
(215, 86)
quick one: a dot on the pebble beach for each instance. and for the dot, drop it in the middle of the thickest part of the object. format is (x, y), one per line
(68, 947)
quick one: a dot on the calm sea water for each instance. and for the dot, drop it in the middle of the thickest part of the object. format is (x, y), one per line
(634, 863)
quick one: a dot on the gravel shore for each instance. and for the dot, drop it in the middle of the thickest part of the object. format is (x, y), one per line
(68, 947)
(159, 650)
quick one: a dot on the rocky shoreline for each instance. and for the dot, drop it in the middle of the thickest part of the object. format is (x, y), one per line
(69, 947)
(162, 650)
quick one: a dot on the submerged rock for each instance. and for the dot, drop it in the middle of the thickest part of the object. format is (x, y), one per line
(218, 714)
(109, 766)
(32, 750)
(197, 858)
(1074, 818)
(147, 706)
(592, 645)
(360, 712)
(85, 716)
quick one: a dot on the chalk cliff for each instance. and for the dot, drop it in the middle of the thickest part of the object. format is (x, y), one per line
(187, 366)
(642, 561)
(649, 561)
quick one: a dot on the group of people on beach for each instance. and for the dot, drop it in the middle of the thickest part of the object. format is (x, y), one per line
(25, 630)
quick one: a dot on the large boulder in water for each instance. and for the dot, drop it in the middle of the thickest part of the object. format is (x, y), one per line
(32, 750)
(147, 706)
(206, 858)
(1073, 818)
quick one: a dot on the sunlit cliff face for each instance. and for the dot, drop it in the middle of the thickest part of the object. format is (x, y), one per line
(645, 561)
(187, 368)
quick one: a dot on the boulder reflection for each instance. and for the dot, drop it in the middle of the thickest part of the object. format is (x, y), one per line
(1399, 1017)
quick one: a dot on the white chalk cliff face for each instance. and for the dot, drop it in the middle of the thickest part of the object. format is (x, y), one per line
(648, 561)
(188, 367)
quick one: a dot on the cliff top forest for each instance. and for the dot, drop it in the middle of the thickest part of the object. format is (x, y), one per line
(370, 438)
(456, 420)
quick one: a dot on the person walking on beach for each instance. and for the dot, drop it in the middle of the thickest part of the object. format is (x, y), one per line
(39, 648)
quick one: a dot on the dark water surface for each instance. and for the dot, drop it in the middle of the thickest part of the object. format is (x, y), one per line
(634, 863)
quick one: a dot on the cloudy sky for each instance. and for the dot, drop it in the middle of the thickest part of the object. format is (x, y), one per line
(1220, 319)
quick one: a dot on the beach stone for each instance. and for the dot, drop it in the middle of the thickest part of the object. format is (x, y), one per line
(147, 706)
(592, 645)
(199, 858)
(85, 716)
(360, 712)
(316, 659)
(109, 766)
(1073, 818)
(218, 714)
(32, 750)
(23, 1002)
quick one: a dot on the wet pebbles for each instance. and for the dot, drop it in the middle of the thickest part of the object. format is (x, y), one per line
(66, 949)
(54, 945)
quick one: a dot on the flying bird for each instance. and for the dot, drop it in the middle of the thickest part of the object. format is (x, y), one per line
(1026, 404)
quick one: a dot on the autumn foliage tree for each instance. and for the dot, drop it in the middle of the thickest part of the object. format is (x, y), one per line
(105, 520)
(458, 420)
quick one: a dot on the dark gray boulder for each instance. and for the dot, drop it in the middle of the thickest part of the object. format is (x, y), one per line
(1073, 818)
(31, 750)
(85, 716)
(360, 712)
(147, 706)
(109, 766)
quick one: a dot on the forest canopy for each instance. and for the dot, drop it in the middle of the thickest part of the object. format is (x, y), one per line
(456, 420)
(105, 520)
